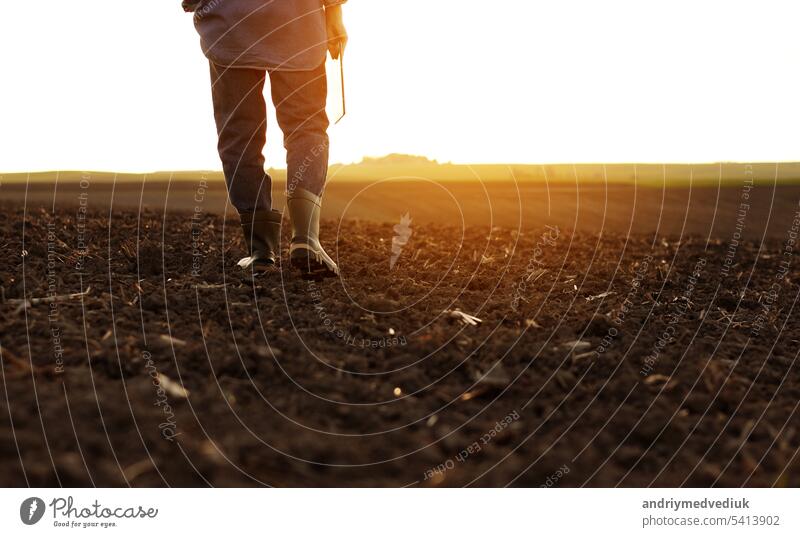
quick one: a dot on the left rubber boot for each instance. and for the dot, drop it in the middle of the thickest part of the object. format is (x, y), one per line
(262, 235)
(306, 253)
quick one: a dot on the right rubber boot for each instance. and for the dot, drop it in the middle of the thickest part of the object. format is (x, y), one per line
(305, 252)
(262, 235)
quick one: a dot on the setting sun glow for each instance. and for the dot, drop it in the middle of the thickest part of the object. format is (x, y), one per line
(463, 81)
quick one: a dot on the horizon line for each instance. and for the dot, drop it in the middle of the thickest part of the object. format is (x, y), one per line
(430, 162)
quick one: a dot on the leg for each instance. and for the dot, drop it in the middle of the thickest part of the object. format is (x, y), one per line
(241, 117)
(300, 98)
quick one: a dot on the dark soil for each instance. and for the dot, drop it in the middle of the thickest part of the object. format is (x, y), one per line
(685, 372)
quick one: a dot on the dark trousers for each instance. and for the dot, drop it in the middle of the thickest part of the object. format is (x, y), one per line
(241, 115)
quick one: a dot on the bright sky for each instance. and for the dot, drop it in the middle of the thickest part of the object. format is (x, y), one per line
(121, 85)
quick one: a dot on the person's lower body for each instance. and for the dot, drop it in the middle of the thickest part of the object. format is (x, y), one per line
(240, 113)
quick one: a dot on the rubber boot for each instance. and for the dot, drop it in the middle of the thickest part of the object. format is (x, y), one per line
(262, 235)
(306, 253)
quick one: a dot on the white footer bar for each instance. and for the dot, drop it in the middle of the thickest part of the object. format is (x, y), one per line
(393, 512)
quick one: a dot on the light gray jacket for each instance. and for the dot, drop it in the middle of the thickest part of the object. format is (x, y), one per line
(286, 35)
